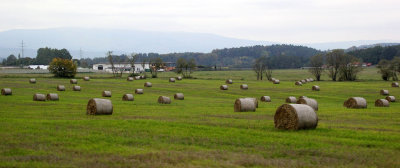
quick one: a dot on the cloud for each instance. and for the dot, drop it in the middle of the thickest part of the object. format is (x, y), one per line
(269, 20)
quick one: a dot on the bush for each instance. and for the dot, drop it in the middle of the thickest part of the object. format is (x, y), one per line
(64, 68)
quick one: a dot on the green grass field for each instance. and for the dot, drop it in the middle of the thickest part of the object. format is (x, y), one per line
(200, 131)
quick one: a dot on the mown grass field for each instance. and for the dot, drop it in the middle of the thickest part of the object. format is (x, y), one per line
(200, 131)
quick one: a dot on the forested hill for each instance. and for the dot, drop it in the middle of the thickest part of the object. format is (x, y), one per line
(280, 56)
(375, 54)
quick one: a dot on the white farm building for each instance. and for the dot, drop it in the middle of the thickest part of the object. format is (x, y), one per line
(126, 66)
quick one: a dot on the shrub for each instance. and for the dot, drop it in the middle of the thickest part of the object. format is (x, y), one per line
(64, 68)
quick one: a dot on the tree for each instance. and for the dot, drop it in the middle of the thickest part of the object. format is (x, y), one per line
(185, 67)
(260, 66)
(350, 66)
(332, 60)
(132, 59)
(111, 61)
(63, 68)
(156, 64)
(46, 55)
(389, 69)
(11, 60)
(316, 63)
(143, 63)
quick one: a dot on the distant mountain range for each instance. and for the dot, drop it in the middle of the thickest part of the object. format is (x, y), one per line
(96, 42)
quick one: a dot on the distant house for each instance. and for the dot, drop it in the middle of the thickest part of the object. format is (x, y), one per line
(127, 67)
(37, 66)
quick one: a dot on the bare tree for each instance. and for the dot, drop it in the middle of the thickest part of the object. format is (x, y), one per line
(184, 67)
(111, 60)
(132, 59)
(316, 63)
(260, 66)
(333, 62)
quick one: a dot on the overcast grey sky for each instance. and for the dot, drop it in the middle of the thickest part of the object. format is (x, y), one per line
(286, 21)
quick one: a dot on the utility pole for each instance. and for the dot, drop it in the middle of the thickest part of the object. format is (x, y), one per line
(22, 48)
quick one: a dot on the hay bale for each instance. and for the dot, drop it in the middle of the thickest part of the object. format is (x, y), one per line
(6, 91)
(355, 102)
(106, 93)
(179, 96)
(265, 99)
(98, 106)
(60, 88)
(39, 97)
(244, 87)
(308, 80)
(171, 79)
(308, 101)
(76, 88)
(291, 99)
(52, 96)
(272, 79)
(384, 92)
(137, 77)
(391, 98)
(229, 81)
(315, 88)
(127, 97)
(244, 104)
(129, 78)
(223, 87)
(298, 83)
(148, 84)
(254, 100)
(164, 100)
(179, 78)
(142, 77)
(86, 78)
(303, 81)
(138, 91)
(73, 81)
(295, 117)
(395, 84)
(381, 103)
(311, 79)
(32, 80)
(276, 81)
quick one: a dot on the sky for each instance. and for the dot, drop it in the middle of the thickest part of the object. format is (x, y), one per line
(284, 21)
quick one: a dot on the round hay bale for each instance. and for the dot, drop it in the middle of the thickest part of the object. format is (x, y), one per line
(127, 97)
(179, 96)
(381, 103)
(73, 81)
(265, 99)
(32, 80)
(179, 78)
(395, 84)
(171, 79)
(254, 100)
(223, 87)
(129, 78)
(308, 80)
(138, 91)
(308, 101)
(39, 97)
(142, 77)
(106, 93)
(276, 81)
(384, 92)
(98, 106)
(244, 104)
(355, 102)
(148, 84)
(86, 78)
(137, 77)
(164, 100)
(272, 79)
(311, 79)
(52, 96)
(244, 87)
(229, 81)
(76, 88)
(295, 117)
(391, 98)
(60, 88)
(303, 81)
(6, 91)
(315, 88)
(298, 83)
(291, 99)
